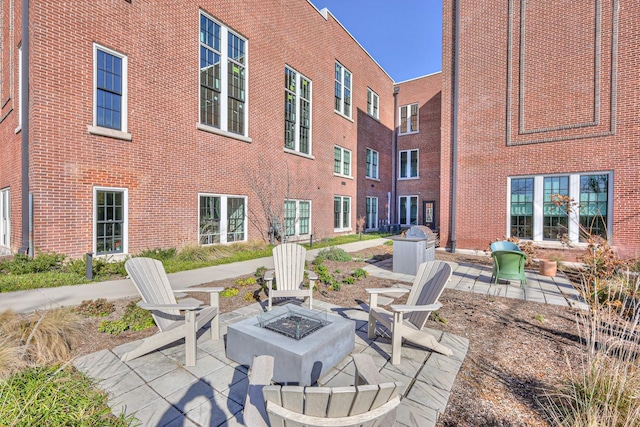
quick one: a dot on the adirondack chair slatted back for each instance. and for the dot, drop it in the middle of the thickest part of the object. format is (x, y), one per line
(365, 404)
(428, 285)
(151, 281)
(289, 259)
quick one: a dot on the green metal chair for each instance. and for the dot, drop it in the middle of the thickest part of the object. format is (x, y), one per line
(509, 265)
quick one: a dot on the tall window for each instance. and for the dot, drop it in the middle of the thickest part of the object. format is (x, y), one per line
(341, 161)
(409, 118)
(372, 103)
(409, 164)
(372, 213)
(343, 90)
(110, 96)
(341, 212)
(522, 208)
(297, 112)
(110, 221)
(555, 223)
(221, 219)
(372, 164)
(5, 217)
(408, 210)
(19, 88)
(223, 82)
(297, 217)
(594, 200)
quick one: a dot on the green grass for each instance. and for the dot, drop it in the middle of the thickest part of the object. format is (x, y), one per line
(52, 396)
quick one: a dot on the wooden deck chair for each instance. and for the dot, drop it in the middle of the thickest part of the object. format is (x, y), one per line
(151, 281)
(289, 262)
(372, 401)
(431, 278)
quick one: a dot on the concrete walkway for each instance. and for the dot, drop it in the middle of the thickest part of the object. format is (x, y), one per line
(162, 392)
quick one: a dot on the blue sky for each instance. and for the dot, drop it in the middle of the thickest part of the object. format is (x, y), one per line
(403, 36)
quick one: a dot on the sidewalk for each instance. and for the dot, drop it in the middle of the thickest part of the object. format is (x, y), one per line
(48, 298)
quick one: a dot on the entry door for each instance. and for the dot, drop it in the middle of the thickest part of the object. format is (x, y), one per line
(5, 214)
(429, 213)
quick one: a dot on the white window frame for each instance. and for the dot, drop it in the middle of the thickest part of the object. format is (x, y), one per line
(224, 224)
(94, 129)
(125, 223)
(373, 104)
(408, 207)
(341, 223)
(19, 127)
(371, 217)
(405, 173)
(574, 216)
(296, 225)
(224, 82)
(5, 218)
(343, 90)
(372, 168)
(298, 111)
(343, 162)
(409, 114)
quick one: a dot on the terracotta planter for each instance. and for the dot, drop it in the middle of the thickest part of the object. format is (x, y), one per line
(548, 268)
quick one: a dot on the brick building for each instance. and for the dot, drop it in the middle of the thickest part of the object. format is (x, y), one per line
(128, 125)
(540, 98)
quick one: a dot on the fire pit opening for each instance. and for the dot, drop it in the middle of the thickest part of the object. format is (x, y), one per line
(293, 324)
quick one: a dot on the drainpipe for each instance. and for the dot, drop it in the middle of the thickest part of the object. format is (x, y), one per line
(24, 112)
(454, 133)
(394, 160)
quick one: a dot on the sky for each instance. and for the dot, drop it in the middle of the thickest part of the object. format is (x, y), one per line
(403, 36)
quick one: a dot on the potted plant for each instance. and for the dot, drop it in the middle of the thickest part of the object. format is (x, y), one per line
(548, 267)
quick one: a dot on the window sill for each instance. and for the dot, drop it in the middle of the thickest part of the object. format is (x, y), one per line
(111, 133)
(297, 153)
(221, 132)
(342, 230)
(112, 257)
(408, 133)
(372, 179)
(343, 116)
(18, 129)
(409, 178)
(338, 175)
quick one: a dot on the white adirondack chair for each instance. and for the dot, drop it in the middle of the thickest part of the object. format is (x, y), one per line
(289, 260)
(431, 278)
(372, 401)
(150, 279)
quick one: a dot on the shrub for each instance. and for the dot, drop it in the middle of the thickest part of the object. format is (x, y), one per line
(359, 273)
(246, 281)
(23, 264)
(133, 319)
(159, 253)
(332, 254)
(259, 274)
(349, 280)
(229, 292)
(95, 308)
(52, 396)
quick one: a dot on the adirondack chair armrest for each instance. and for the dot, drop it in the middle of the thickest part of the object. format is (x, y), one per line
(398, 308)
(183, 306)
(216, 289)
(394, 291)
(366, 370)
(312, 275)
(269, 275)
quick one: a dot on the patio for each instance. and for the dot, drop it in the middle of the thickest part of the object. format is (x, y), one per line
(162, 392)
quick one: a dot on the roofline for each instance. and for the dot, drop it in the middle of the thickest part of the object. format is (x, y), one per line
(421, 77)
(324, 12)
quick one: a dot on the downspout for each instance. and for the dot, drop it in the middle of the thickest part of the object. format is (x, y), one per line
(24, 112)
(454, 133)
(394, 160)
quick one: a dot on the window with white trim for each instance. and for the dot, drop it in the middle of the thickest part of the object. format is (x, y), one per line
(19, 88)
(110, 89)
(372, 213)
(408, 164)
(223, 83)
(297, 217)
(409, 118)
(297, 111)
(110, 220)
(341, 213)
(373, 102)
(221, 219)
(408, 210)
(534, 215)
(341, 161)
(5, 217)
(372, 164)
(342, 103)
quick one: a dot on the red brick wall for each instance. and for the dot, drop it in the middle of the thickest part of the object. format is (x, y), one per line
(552, 108)
(168, 162)
(426, 92)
